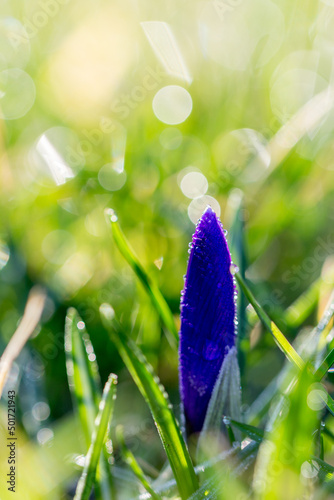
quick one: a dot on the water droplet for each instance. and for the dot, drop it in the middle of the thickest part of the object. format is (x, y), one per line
(226, 421)
(107, 311)
(233, 268)
(110, 214)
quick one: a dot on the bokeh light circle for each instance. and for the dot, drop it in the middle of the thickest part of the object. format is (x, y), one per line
(198, 205)
(317, 397)
(17, 93)
(111, 178)
(172, 104)
(171, 138)
(14, 44)
(194, 184)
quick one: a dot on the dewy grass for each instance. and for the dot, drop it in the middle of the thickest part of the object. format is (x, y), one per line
(209, 383)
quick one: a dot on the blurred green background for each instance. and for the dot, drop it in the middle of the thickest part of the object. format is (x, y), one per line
(154, 109)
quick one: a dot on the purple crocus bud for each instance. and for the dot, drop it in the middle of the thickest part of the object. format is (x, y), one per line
(208, 312)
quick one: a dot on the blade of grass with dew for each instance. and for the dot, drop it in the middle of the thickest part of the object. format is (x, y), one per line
(130, 459)
(85, 386)
(280, 339)
(326, 471)
(152, 289)
(238, 252)
(242, 456)
(82, 371)
(102, 420)
(320, 331)
(325, 366)
(252, 432)
(157, 400)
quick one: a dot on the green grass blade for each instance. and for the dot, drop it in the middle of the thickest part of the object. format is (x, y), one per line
(102, 420)
(286, 347)
(82, 371)
(280, 339)
(303, 306)
(157, 400)
(250, 431)
(85, 386)
(237, 246)
(130, 459)
(152, 289)
(326, 471)
(325, 366)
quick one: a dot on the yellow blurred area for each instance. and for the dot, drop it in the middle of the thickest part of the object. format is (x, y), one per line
(84, 72)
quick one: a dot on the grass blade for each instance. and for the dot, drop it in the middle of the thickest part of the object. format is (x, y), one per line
(280, 339)
(286, 347)
(85, 386)
(82, 371)
(225, 400)
(325, 366)
(303, 306)
(237, 246)
(130, 459)
(106, 407)
(157, 400)
(252, 432)
(152, 289)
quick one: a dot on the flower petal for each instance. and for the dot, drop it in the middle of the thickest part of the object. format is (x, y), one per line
(207, 318)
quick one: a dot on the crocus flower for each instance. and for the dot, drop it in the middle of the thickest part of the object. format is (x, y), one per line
(208, 313)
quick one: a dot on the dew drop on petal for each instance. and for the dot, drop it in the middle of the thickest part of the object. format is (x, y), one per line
(233, 269)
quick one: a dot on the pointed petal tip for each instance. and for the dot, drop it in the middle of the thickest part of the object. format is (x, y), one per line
(208, 215)
(208, 221)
